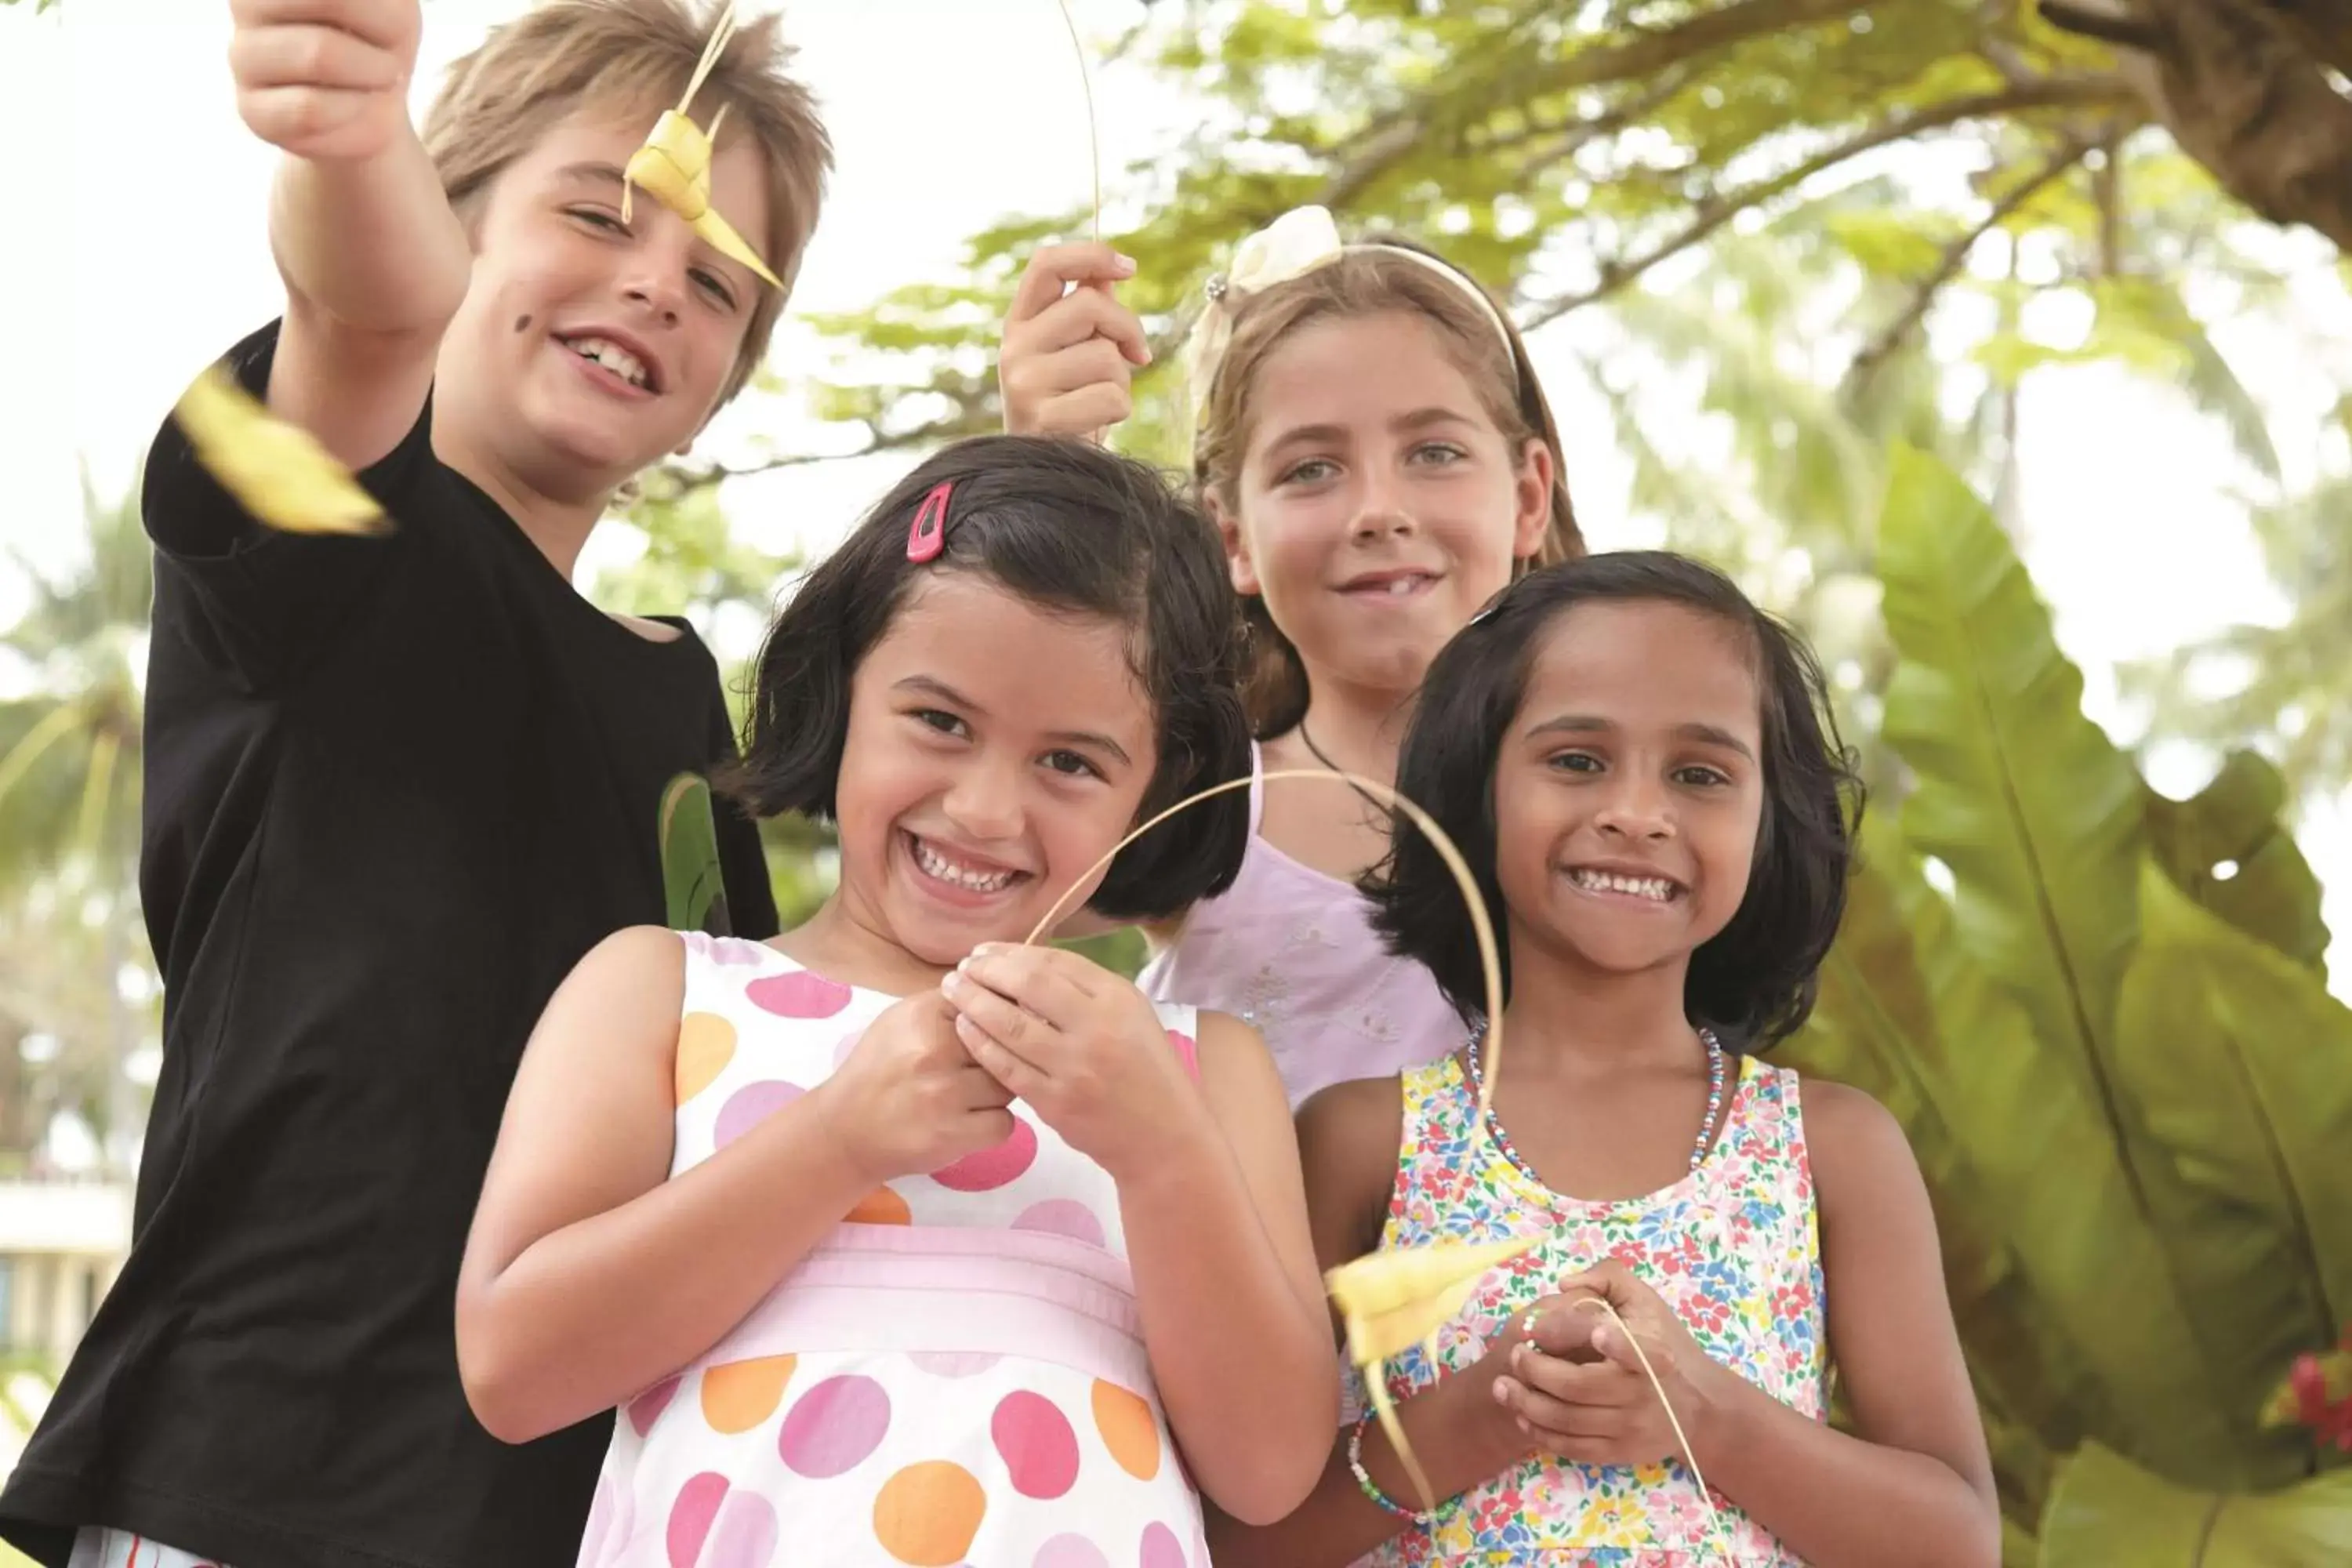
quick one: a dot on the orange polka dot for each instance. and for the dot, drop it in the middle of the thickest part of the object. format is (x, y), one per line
(1127, 1429)
(880, 1206)
(705, 1044)
(740, 1394)
(928, 1514)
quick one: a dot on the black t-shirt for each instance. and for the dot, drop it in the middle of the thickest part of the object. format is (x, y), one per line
(395, 789)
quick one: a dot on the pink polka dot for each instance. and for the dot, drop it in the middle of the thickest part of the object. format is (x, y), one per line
(750, 1105)
(744, 1534)
(690, 1516)
(1063, 1216)
(1035, 1440)
(1070, 1551)
(1161, 1548)
(953, 1364)
(993, 1168)
(834, 1427)
(799, 994)
(646, 1407)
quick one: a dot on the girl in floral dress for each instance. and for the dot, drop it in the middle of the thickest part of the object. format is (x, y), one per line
(897, 1242)
(1642, 767)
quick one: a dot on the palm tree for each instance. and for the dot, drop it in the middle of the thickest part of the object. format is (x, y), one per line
(70, 785)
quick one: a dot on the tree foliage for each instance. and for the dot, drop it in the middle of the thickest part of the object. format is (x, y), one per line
(2125, 1080)
(1566, 155)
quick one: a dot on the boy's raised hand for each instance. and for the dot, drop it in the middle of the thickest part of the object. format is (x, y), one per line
(324, 80)
(1067, 352)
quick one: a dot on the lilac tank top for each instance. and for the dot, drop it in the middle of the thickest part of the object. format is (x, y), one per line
(1293, 951)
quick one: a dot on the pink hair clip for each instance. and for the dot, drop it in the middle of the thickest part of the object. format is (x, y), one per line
(928, 534)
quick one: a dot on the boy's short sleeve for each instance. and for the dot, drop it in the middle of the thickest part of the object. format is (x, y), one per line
(250, 599)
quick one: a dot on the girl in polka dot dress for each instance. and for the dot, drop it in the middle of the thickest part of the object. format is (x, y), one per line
(1638, 761)
(896, 1242)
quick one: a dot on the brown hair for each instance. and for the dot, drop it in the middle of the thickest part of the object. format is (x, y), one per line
(1365, 282)
(532, 73)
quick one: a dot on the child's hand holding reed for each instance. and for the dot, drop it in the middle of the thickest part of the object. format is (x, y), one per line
(1579, 1387)
(1081, 1048)
(910, 1098)
(1069, 346)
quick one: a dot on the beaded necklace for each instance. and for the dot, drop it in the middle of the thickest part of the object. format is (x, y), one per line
(1714, 1072)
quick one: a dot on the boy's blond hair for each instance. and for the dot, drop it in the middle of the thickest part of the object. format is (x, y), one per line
(637, 56)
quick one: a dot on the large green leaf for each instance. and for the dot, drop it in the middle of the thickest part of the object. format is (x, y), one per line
(1874, 1026)
(2243, 1064)
(2244, 1081)
(2227, 847)
(2106, 1512)
(2037, 816)
(2104, 1290)
(2030, 807)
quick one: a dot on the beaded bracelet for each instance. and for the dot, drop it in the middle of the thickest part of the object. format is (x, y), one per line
(1371, 1488)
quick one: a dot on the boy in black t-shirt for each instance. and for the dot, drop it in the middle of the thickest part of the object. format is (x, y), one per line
(397, 787)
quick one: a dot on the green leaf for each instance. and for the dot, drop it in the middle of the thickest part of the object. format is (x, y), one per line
(2241, 1067)
(2109, 1319)
(692, 882)
(1874, 1026)
(2034, 811)
(2037, 818)
(2106, 1512)
(2228, 849)
(2272, 1038)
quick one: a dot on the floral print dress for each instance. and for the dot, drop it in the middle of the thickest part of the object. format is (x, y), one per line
(1733, 1248)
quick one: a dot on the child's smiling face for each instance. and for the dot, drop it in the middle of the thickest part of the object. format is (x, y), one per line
(996, 750)
(1379, 506)
(1628, 787)
(587, 348)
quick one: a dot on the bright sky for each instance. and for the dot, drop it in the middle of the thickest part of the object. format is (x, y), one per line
(146, 255)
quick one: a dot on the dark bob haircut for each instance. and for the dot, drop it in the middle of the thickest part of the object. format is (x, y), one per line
(1074, 529)
(1754, 982)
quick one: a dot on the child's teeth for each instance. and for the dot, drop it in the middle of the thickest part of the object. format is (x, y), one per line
(948, 872)
(612, 357)
(1657, 887)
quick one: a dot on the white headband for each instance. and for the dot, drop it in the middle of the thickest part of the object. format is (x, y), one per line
(1297, 242)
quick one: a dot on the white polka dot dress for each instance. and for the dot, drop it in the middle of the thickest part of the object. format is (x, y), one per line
(955, 1378)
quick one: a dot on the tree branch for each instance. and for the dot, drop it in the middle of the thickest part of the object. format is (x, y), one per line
(2108, 26)
(2054, 92)
(1390, 139)
(2322, 27)
(2108, 189)
(1568, 139)
(1650, 53)
(1956, 256)
(680, 480)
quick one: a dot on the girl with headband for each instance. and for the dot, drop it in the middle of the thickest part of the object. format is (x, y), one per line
(1378, 457)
